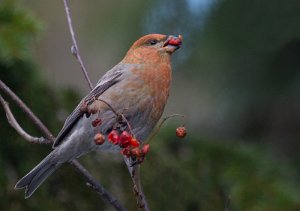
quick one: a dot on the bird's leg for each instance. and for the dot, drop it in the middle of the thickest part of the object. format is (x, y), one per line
(133, 161)
(88, 108)
(84, 107)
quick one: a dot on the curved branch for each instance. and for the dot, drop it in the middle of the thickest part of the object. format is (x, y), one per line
(26, 110)
(13, 122)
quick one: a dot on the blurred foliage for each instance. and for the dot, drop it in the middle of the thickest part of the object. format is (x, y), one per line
(248, 54)
(17, 27)
(200, 174)
(244, 58)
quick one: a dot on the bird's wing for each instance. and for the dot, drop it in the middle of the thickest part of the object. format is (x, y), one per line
(109, 79)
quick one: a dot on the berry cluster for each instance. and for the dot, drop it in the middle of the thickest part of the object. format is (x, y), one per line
(131, 147)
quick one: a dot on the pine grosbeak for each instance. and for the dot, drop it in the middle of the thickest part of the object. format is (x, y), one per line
(137, 87)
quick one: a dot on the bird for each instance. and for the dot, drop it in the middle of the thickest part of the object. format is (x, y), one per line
(137, 87)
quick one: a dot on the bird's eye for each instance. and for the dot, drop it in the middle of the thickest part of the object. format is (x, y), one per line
(153, 42)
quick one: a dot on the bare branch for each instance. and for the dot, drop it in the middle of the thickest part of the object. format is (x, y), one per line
(26, 110)
(137, 187)
(96, 186)
(13, 122)
(74, 48)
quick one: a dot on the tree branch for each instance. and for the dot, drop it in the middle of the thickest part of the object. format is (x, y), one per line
(26, 110)
(13, 122)
(96, 186)
(79, 168)
(137, 187)
(74, 48)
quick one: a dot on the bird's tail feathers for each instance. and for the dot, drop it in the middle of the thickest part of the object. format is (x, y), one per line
(37, 176)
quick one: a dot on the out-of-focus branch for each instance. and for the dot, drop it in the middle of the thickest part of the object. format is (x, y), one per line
(26, 110)
(227, 205)
(74, 48)
(13, 122)
(155, 132)
(137, 187)
(79, 168)
(96, 186)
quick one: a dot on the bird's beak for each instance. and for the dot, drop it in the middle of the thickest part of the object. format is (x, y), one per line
(172, 43)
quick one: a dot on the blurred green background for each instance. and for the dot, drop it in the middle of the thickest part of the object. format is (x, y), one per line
(237, 78)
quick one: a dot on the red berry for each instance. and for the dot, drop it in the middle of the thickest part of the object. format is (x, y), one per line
(136, 152)
(113, 137)
(125, 139)
(126, 152)
(145, 148)
(99, 138)
(96, 122)
(174, 41)
(134, 142)
(181, 132)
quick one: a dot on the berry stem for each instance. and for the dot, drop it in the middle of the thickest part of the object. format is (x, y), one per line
(118, 115)
(161, 124)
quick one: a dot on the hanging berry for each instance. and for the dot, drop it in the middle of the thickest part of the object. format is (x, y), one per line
(96, 122)
(99, 139)
(114, 137)
(181, 132)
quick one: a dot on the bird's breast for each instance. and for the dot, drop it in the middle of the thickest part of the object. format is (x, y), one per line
(141, 96)
(156, 79)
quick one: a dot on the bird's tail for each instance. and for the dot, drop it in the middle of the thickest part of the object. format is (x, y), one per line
(37, 176)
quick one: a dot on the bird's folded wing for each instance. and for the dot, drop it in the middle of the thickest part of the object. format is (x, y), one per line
(109, 79)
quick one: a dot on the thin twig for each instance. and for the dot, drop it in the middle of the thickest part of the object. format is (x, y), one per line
(13, 122)
(137, 187)
(161, 124)
(118, 115)
(74, 48)
(110, 107)
(87, 176)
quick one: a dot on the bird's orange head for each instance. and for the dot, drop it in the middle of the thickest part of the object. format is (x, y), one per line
(153, 48)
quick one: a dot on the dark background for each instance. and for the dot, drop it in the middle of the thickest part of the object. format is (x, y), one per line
(236, 78)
